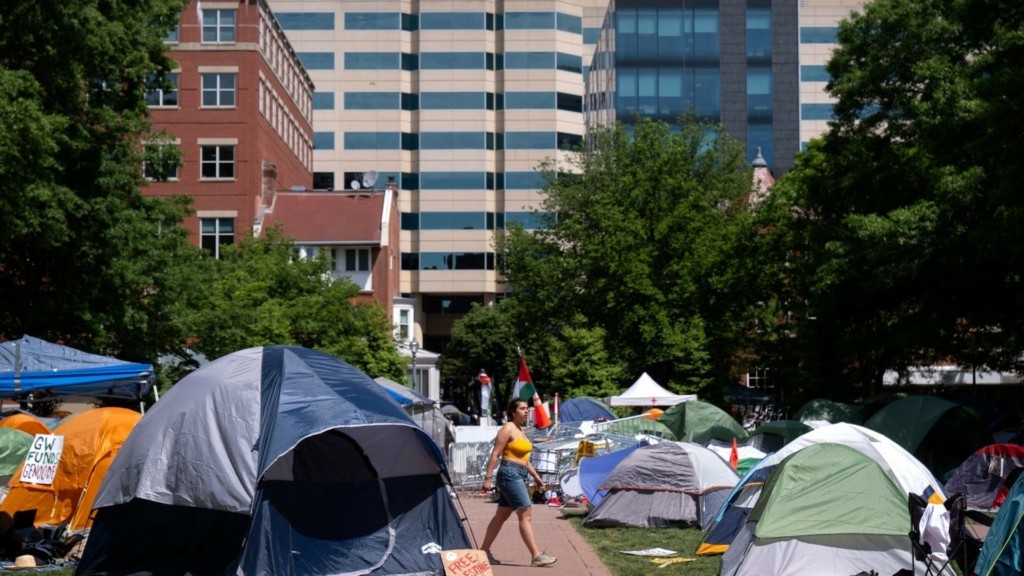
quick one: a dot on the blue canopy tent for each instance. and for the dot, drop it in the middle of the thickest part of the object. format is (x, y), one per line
(33, 366)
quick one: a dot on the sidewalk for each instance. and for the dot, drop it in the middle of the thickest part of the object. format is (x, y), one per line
(554, 534)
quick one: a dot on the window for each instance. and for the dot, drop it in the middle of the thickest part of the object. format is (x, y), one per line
(216, 232)
(816, 111)
(355, 260)
(325, 101)
(371, 60)
(218, 90)
(217, 162)
(403, 325)
(372, 140)
(452, 100)
(323, 180)
(452, 61)
(818, 34)
(218, 26)
(305, 20)
(317, 60)
(814, 73)
(374, 20)
(452, 21)
(162, 94)
(452, 141)
(371, 100)
(323, 140)
(172, 36)
(161, 162)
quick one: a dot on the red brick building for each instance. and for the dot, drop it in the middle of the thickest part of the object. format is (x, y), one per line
(240, 110)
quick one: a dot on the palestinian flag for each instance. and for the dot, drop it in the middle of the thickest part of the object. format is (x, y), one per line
(524, 389)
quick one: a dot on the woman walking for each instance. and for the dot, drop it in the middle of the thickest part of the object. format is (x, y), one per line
(512, 450)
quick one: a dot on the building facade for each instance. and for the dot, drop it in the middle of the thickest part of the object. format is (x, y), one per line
(239, 106)
(459, 102)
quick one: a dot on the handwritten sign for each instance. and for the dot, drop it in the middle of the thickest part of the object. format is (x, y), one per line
(465, 563)
(42, 459)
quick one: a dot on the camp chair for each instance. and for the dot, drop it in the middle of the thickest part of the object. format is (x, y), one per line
(963, 547)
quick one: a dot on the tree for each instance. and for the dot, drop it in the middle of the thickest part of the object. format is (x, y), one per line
(643, 246)
(909, 208)
(262, 294)
(84, 259)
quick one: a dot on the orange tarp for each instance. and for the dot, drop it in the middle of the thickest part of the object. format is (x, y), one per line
(26, 423)
(91, 439)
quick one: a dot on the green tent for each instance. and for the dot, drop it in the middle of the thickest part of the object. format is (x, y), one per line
(638, 425)
(830, 411)
(826, 505)
(1002, 554)
(773, 435)
(940, 433)
(698, 421)
(14, 445)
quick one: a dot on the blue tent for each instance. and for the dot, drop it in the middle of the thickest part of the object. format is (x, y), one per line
(583, 408)
(274, 460)
(593, 470)
(31, 365)
(1002, 554)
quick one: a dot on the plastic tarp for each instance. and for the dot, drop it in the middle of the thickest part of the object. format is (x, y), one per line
(583, 408)
(664, 484)
(1002, 554)
(33, 365)
(247, 464)
(91, 440)
(826, 509)
(646, 392)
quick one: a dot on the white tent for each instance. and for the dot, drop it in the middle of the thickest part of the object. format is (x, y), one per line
(646, 392)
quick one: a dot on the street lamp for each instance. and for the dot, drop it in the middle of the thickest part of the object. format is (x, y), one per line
(414, 347)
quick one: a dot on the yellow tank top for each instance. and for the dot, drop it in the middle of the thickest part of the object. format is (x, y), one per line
(518, 449)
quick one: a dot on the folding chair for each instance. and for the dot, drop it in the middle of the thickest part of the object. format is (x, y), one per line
(963, 547)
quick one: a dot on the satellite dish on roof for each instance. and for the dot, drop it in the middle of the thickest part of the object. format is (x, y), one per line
(354, 184)
(369, 178)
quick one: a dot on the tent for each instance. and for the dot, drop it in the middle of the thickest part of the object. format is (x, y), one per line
(635, 425)
(664, 484)
(984, 477)
(699, 421)
(583, 408)
(940, 433)
(275, 460)
(32, 365)
(91, 440)
(772, 436)
(26, 423)
(746, 454)
(826, 509)
(830, 411)
(593, 471)
(14, 445)
(1002, 554)
(646, 392)
(424, 412)
(909, 474)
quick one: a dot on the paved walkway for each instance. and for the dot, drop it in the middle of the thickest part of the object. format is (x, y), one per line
(555, 534)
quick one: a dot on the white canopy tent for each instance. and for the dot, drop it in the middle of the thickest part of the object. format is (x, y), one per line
(646, 392)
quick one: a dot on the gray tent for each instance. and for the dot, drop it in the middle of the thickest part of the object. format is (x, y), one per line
(424, 412)
(664, 484)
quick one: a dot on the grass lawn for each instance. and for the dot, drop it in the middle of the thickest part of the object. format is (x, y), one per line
(609, 542)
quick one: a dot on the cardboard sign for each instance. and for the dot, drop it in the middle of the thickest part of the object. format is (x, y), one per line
(42, 459)
(465, 563)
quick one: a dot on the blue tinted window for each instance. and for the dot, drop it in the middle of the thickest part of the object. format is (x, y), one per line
(707, 93)
(529, 140)
(529, 21)
(452, 180)
(371, 100)
(705, 33)
(410, 141)
(759, 93)
(317, 60)
(323, 101)
(816, 111)
(410, 23)
(524, 180)
(410, 181)
(451, 141)
(813, 73)
(528, 220)
(410, 221)
(452, 21)
(409, 62)
(305, 20)
(410, 261)
(454, 261)
(569, 62)
(410, 101)
(371, 60)
(529, 60)
(591, 35)
(452, 100)
(452, 61)
(818, 34)
(371, 140)
(452, 221)
(323, 140)
(373, 21)
(759, 34)
(569, 23)
(529, 100)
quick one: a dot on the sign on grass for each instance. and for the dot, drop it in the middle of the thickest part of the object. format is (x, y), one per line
(42, 459)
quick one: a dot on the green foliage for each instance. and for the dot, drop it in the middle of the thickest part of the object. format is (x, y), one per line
(907, 239)
(644, 263)
(262, 294)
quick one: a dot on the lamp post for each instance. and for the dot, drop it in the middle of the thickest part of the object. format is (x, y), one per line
(414, 347)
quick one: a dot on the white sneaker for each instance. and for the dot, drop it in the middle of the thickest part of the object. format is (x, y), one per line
(543, 559)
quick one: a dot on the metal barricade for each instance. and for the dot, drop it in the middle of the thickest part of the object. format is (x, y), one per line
(467, 462)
